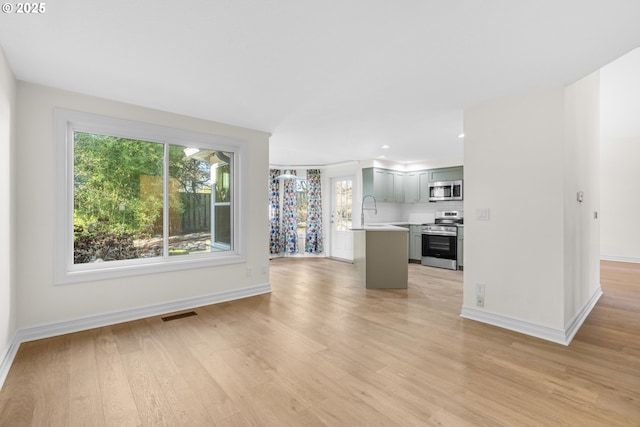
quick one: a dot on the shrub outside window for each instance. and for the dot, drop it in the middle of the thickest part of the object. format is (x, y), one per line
(137, 198)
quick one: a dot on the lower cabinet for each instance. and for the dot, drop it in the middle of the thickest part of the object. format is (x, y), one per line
(415, 243)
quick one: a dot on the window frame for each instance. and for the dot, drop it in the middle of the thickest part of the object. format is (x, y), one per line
(66, 122)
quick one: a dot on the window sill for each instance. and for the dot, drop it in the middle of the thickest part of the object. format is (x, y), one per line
(160, 265)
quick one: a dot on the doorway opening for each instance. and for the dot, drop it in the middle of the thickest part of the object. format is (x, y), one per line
(295, 213)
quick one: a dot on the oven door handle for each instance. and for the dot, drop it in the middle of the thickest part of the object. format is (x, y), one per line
(440, 233)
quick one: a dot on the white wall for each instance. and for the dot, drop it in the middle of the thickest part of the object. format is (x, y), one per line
(513, 166)
(620, 154)
(581, 173)
(620, 97)
(39, 301)
(620, 196)
(7, 248)
(526, 158)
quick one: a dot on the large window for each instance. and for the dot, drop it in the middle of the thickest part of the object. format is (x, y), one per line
(138, 198)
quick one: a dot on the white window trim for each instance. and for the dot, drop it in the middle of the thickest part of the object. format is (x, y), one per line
(65, 122)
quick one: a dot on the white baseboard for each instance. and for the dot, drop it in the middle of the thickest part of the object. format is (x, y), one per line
(559, 336)
(619, 258)
(577, 321)
(84, 323)
(7, 358)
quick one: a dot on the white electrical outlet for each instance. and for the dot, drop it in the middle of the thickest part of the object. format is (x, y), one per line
(265, 269)
(480, 301)
(480, 289)
(482, 214)
(249, 272)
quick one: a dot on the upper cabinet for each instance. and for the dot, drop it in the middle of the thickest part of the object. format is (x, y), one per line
(446, 174)
(400, 184)
(416, 188)
(423, 185)
(405, 187)
(380, 183)
(411, 188)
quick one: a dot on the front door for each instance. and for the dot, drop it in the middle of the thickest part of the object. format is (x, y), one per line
(341, 216)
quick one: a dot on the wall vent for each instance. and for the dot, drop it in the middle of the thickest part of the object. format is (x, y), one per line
(179, 316)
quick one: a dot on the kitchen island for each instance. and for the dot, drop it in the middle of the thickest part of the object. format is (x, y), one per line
(380, 255)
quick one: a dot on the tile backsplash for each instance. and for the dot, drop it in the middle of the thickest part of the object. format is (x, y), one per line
(387, 212)
(410, 212)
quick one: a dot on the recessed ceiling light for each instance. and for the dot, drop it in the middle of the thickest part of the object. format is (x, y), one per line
(461, 135)
(382, 157)
(385, 146)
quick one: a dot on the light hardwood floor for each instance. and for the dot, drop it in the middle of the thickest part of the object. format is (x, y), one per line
(321, 350)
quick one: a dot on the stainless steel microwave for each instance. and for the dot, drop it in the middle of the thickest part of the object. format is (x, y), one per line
(445, 190)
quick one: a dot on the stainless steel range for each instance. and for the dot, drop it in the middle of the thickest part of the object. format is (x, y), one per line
(440, 240)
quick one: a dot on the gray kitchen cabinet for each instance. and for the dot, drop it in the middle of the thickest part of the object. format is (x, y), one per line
(423, 184)
(399, 187)
(415, 243)
(380, 183)
(372, 183)
(411, 187)
(408, 227)
(416, 187)
(460, 248)
(446, 174)
(388, 186)
(367, 182)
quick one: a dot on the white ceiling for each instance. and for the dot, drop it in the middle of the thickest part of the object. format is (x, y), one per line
(331, 80)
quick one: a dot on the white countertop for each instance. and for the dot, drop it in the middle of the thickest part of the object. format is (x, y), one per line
(380, 227)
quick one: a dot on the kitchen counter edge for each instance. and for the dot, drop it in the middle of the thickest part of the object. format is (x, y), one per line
(380, 227)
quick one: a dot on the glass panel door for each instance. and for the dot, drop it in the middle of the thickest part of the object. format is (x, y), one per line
(341, 218)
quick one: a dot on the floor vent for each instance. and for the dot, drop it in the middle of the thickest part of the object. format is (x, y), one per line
(179, 316)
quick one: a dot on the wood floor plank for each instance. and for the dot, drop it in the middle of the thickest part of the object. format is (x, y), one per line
(85, 396)
(350, 410)
(153, 407)
(118, 403)
(35, 401)
(234, 384)
(321, 350)
(18, 396)
(195, 395)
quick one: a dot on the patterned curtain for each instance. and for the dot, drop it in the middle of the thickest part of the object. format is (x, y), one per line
(289, 210)
(274, 211)
(313, 238)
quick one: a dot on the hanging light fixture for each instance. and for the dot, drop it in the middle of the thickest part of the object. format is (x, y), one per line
(287, 175)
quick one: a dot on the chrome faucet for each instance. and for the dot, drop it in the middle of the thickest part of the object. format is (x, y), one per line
(374, 209)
